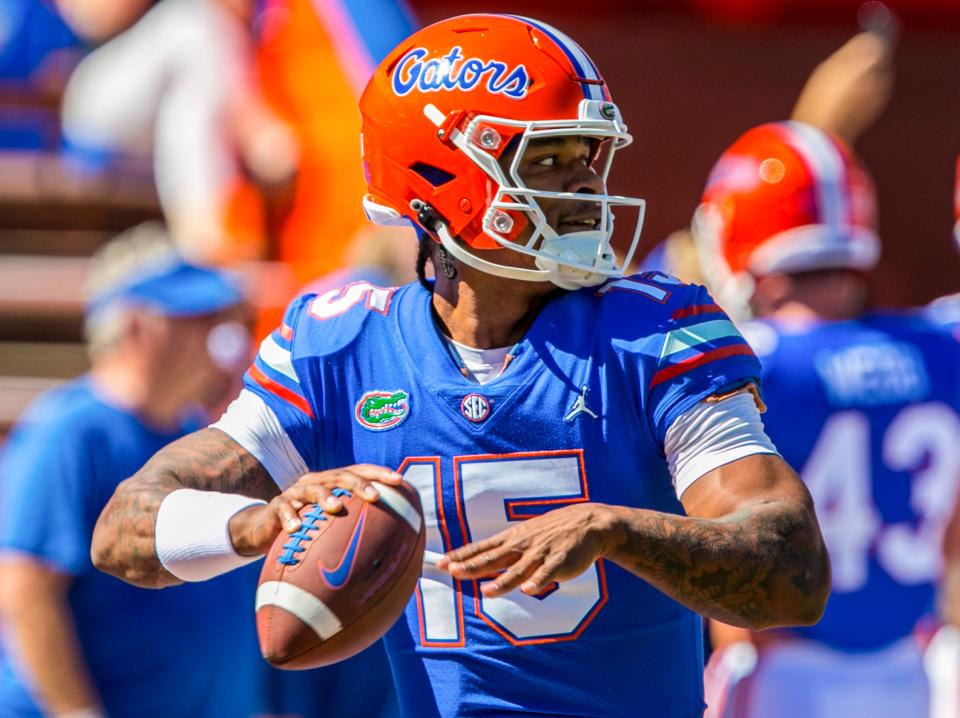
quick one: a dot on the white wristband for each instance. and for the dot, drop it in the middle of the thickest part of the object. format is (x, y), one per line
(191, 536)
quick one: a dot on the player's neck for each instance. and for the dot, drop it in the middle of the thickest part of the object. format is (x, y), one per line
(487, 312)
(801, 312)
(817, 296)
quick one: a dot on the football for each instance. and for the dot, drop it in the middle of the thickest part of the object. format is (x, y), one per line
(335, 586)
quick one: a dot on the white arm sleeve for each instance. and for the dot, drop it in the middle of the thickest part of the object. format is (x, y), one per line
(712, 434)
(253, 425)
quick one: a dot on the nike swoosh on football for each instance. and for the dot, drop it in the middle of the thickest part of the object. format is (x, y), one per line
(339, 575)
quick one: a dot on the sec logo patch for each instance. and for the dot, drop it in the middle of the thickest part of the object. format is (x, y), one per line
(475, 407)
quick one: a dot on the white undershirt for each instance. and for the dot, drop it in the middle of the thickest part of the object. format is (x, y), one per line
(483, 365)
(703, 438)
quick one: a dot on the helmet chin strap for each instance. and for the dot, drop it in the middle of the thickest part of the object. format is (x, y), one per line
(579, 248)
(548, 271)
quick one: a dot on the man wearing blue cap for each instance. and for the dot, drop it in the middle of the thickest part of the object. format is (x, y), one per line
(165, 343)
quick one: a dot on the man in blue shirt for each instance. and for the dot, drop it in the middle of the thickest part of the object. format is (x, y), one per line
(557, 417)
(165, 340)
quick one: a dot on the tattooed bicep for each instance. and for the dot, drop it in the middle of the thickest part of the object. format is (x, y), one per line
(209, 460)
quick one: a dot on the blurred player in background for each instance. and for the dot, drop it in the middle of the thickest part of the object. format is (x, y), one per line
(557, 418)
(180, 84)
(341, 41)
(167, 342)
(844, 95)
(253, 157)
(864, 404)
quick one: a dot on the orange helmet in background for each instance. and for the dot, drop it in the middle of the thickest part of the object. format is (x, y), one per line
(785, 197)
(445, 106)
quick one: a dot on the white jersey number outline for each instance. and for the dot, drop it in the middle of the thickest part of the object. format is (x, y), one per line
(490, 492)
(338, 301)
(922, 440)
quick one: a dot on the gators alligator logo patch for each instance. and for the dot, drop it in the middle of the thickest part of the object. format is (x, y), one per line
(379, 410)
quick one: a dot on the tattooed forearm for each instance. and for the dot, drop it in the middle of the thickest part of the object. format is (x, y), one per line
(760, 567)
(209, 460)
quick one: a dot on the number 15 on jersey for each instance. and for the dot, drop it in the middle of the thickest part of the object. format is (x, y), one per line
(490, 492)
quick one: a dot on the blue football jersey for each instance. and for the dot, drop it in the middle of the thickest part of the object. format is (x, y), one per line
(361, 374)
(866, 412)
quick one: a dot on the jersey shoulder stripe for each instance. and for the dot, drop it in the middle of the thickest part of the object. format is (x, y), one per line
(697, 336)
(277, 357)
(696, 310)
(697, 333)
(273, 368)
(698, 360)
(256, 375)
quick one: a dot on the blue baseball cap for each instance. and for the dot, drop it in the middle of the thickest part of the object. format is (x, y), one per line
(173, 288)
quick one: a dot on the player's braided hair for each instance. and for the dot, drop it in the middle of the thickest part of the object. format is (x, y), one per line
(424, 254)
(429, 248)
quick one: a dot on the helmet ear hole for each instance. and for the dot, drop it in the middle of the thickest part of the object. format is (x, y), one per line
(436, 176)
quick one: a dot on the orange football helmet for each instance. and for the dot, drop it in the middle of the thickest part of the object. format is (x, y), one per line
(785, 197)
(443, 108)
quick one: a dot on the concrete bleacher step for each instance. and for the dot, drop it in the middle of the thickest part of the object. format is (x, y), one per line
(41, 298)
(52, 360)
(32, 180)
(16, 394)
(52, 242)
(52, 217)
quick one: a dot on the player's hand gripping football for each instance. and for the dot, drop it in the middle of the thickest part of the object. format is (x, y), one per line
(531, 554)
(253, 530)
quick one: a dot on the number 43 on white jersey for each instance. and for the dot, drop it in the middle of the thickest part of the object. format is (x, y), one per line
(922, 440)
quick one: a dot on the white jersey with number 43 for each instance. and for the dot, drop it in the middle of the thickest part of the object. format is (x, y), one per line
(867, 412)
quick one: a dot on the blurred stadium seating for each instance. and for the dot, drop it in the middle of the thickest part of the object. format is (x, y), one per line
(50, 221)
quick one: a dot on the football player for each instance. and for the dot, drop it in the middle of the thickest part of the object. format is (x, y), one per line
(558, 419)
(864, 404)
